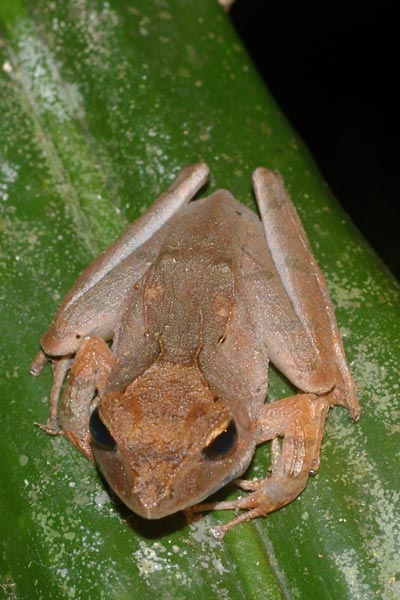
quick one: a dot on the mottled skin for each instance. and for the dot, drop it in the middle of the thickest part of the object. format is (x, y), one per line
(169, 334)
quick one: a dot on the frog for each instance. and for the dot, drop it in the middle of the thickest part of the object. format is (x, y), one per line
(161, 352)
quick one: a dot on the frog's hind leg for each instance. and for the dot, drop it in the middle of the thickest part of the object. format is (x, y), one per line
(183, 188)
(94, 303)
(304, 284)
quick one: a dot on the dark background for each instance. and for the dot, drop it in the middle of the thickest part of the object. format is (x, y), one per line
(333, 69)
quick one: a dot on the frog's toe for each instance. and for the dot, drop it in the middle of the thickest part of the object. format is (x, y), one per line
(51, 427)
(41, 359)
(249, 485)
(271, 494)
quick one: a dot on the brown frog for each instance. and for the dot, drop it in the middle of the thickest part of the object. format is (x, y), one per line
(167, 337)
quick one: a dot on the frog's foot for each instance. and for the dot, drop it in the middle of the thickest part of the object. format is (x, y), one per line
(60, 368)
(41, 359)
(50, 427)
(299, 420)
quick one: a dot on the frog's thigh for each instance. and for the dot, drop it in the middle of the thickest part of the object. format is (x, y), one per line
(288, 344)
(184, 187)
(294, 261)
(89, 372)
(97, 311)
(93, 305)
(304, 283)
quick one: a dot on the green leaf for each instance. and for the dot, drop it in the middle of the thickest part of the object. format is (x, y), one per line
(101, 104)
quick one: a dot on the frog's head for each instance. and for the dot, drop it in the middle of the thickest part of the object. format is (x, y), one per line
(169, 441)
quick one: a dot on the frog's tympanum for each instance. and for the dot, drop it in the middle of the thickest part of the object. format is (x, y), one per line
(167, 338)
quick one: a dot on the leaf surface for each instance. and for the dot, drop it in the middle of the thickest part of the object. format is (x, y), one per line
(101, 104)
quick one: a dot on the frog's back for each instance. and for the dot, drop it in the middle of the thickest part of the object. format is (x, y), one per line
(190, 290)
(214, 227)
(186, 302)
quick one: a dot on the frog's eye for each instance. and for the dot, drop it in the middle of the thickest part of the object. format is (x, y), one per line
(222, 444)
(100, 433)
